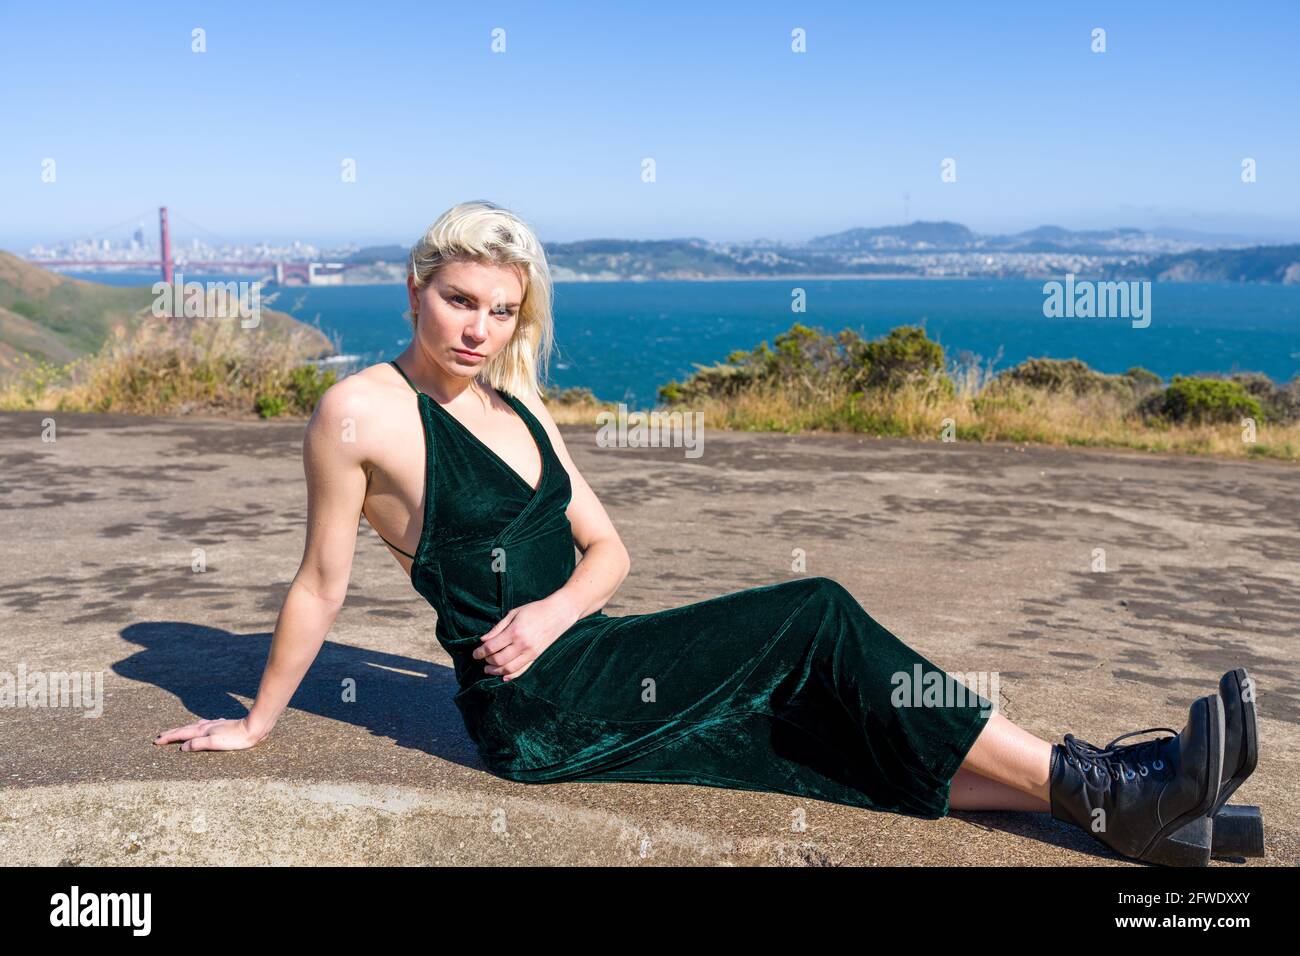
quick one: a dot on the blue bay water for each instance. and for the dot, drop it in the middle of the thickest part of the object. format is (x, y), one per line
(625, 339)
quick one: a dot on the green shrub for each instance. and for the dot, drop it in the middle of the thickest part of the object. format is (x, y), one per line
(571, 396)
(905, 355)
(715, 381)
(1143, 378)
(1074, 376)
(1279, 403)
(1201, 401)
(307, 383)
(271, 406)
(26, 309)
(1142, 382)
(812, 361)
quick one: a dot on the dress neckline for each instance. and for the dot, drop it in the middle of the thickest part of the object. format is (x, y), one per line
(524, 415)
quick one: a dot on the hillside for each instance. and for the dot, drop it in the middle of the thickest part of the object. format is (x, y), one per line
(1257, 264)
(58, 319)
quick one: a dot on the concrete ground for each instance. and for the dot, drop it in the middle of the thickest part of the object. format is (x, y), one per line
(980, 556)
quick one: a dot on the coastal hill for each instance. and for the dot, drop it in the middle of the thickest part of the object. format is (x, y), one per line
(59, 319)
(1257, 264)
(917, 250)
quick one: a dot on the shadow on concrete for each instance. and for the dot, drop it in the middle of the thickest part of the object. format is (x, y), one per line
(404, 698)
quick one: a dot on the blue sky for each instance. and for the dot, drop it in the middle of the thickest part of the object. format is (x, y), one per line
(749, 139)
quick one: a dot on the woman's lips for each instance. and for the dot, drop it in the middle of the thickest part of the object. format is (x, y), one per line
(467, 353)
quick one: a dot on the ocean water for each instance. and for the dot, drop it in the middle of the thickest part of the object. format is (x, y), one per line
(625, 339)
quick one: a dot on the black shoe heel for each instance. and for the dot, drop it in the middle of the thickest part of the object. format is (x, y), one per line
(1238, 831)
(1233, 684)
(1187, 846)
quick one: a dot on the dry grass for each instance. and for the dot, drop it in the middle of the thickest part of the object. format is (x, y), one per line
(176, 366)
(1017, 414)
(213, 366)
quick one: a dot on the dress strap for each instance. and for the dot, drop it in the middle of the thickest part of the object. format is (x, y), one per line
(394, 364)
(393, 546)
(427, 445)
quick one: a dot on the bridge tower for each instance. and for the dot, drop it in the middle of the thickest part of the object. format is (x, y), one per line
(165, 245)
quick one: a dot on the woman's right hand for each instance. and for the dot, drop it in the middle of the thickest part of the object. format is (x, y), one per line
(211, 735)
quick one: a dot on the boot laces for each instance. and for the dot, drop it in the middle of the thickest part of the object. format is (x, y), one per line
(1111, 759)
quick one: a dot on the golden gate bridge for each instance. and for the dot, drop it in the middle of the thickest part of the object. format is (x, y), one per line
(284, 273)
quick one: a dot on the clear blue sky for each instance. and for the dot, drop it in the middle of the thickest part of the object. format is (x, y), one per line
(750, 139)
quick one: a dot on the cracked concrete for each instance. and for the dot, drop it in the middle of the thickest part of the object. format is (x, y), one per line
(983, 557)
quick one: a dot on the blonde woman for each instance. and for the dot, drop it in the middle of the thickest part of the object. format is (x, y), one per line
(790, 687)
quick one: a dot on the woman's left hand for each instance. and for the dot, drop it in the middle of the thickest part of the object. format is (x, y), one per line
(522, 635)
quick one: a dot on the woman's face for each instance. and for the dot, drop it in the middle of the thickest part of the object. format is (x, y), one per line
(466, 314)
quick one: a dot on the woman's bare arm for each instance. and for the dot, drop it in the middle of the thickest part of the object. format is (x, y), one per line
(605, 562)
(336, 488)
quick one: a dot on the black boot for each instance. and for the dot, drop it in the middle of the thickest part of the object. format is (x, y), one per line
(1150, 800)
(1241, 735)
(1238, 830)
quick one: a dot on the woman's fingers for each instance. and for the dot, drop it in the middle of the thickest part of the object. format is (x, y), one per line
(221, 734)
(181, 733)
(512, 652)
(498, 627)
(516, 672)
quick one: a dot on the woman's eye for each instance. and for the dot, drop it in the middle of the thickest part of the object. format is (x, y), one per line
(503, 313)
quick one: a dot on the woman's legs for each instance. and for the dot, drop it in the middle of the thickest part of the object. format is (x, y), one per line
(1007, 768)
(970, 791)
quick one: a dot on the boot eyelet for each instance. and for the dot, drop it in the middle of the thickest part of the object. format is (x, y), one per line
(1158, 765)
(1128, 774)
(1142, 769)
(1085, 766)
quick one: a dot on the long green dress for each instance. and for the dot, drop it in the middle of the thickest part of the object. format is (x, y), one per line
(789, 687)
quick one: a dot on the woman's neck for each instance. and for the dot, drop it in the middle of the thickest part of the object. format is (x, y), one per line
(442, 388)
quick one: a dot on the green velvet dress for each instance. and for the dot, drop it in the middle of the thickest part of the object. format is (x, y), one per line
(789, 687)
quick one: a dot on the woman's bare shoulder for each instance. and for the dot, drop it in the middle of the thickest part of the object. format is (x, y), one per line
(360, 405)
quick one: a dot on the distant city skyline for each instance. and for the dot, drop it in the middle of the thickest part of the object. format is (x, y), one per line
(142, 241)
(253, 139)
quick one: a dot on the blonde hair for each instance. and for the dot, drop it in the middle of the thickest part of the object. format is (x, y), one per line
(484, 232)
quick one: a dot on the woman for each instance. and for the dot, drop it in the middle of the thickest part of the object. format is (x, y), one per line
(792, 687)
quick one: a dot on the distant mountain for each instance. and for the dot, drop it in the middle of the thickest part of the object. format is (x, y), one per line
(369, 255)
(1062, 236)
(915, 235)
(926, 249)
(1219, 240)
(58, 319)
(943, 236)
(1256, 264)
(611, 259)
(919, 236)
(921, 249)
